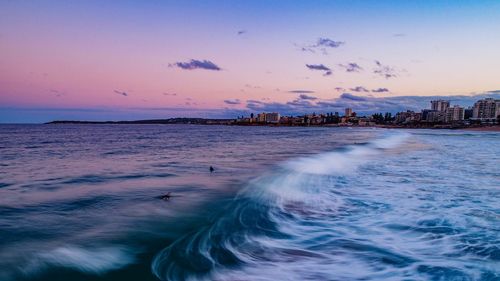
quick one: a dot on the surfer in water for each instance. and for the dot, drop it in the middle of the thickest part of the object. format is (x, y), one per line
(166, 196)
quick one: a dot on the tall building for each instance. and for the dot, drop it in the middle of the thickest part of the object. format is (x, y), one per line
(440, 105)
(486, 110)
(435, 116)
(468, 112)
(348, 112)
(454, 114)
(261, 117)
(272, 117)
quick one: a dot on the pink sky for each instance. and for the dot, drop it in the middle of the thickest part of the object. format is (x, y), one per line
(80, 55)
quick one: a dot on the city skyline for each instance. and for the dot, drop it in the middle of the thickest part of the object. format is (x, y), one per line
(131, 60)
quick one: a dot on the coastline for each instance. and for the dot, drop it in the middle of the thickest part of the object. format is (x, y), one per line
(230, 122)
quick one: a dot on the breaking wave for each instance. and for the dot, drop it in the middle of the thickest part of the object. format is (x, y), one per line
(279, 226)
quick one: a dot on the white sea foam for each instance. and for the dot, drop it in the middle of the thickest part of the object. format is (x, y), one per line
(345, 161)
(93, 260)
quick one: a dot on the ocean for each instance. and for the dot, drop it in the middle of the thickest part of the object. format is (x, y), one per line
(82, 202)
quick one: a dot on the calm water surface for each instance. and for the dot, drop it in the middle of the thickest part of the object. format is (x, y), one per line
(80, 203)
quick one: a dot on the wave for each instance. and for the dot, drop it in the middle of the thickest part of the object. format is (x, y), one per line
(346, 159)
(88, 260)
(275, 223)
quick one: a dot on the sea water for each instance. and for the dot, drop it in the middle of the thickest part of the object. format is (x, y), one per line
(81, 202)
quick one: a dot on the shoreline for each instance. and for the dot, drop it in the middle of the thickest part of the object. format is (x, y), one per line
(229, 122)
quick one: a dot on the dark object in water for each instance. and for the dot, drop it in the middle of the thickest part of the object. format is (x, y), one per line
(212, 169)
(166, 196)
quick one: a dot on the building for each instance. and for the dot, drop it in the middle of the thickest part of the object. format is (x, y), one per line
(486, 110)
(425, 112)
(272, 117)
(440, 105)
(408, 117)
(468, 112)
(454, 114)
(261, 117)
(348, 112)
(365, 122)
(434, 116)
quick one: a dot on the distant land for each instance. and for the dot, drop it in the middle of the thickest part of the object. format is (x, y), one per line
(204, 121)
(199, 121)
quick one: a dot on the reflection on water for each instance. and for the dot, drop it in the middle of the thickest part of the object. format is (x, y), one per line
(80, 203)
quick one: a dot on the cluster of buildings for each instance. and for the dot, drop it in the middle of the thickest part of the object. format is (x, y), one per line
(484, 111)
(274, 118)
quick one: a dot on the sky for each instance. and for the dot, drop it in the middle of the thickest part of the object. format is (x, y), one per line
(125, 60)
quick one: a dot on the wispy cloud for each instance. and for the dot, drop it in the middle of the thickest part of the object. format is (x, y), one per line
(322, 45)
(232, 101)
(120, 93)
(399, 35)
(252, 86)
(307, 97)
(348, 96)
(359, 89)
(380, 90)
(169, 94)
(241, 32)
(196, 64)
(57, 93)
(301, 91)
(362, 105)
(384, 70)
(326, 42)
(351, 67)
(321, 67)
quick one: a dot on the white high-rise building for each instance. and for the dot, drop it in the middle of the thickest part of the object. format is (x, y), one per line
(455, 113)
(261, 117)
(486, 110)
(272, 117)
(440, 105)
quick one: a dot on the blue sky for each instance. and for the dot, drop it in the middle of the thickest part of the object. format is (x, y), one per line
(115, 60)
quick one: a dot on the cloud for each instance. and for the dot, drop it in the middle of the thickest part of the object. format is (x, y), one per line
(241, 32)
(196, 64)
(352, 97)
(380, 90)
(299, 103)
(320, 67)
(351, 67)
(399, 35)
(384, 70)
(57, 93)
(339, 89)
(252, 86)
(326, 42)
(121, 93)
(232, 101)
(169, 94)
(364, 105)
(322, 44)
(359, 89)
(301, 92)
(306, 97)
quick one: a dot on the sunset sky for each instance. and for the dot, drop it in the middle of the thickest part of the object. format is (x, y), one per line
(115, 60)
